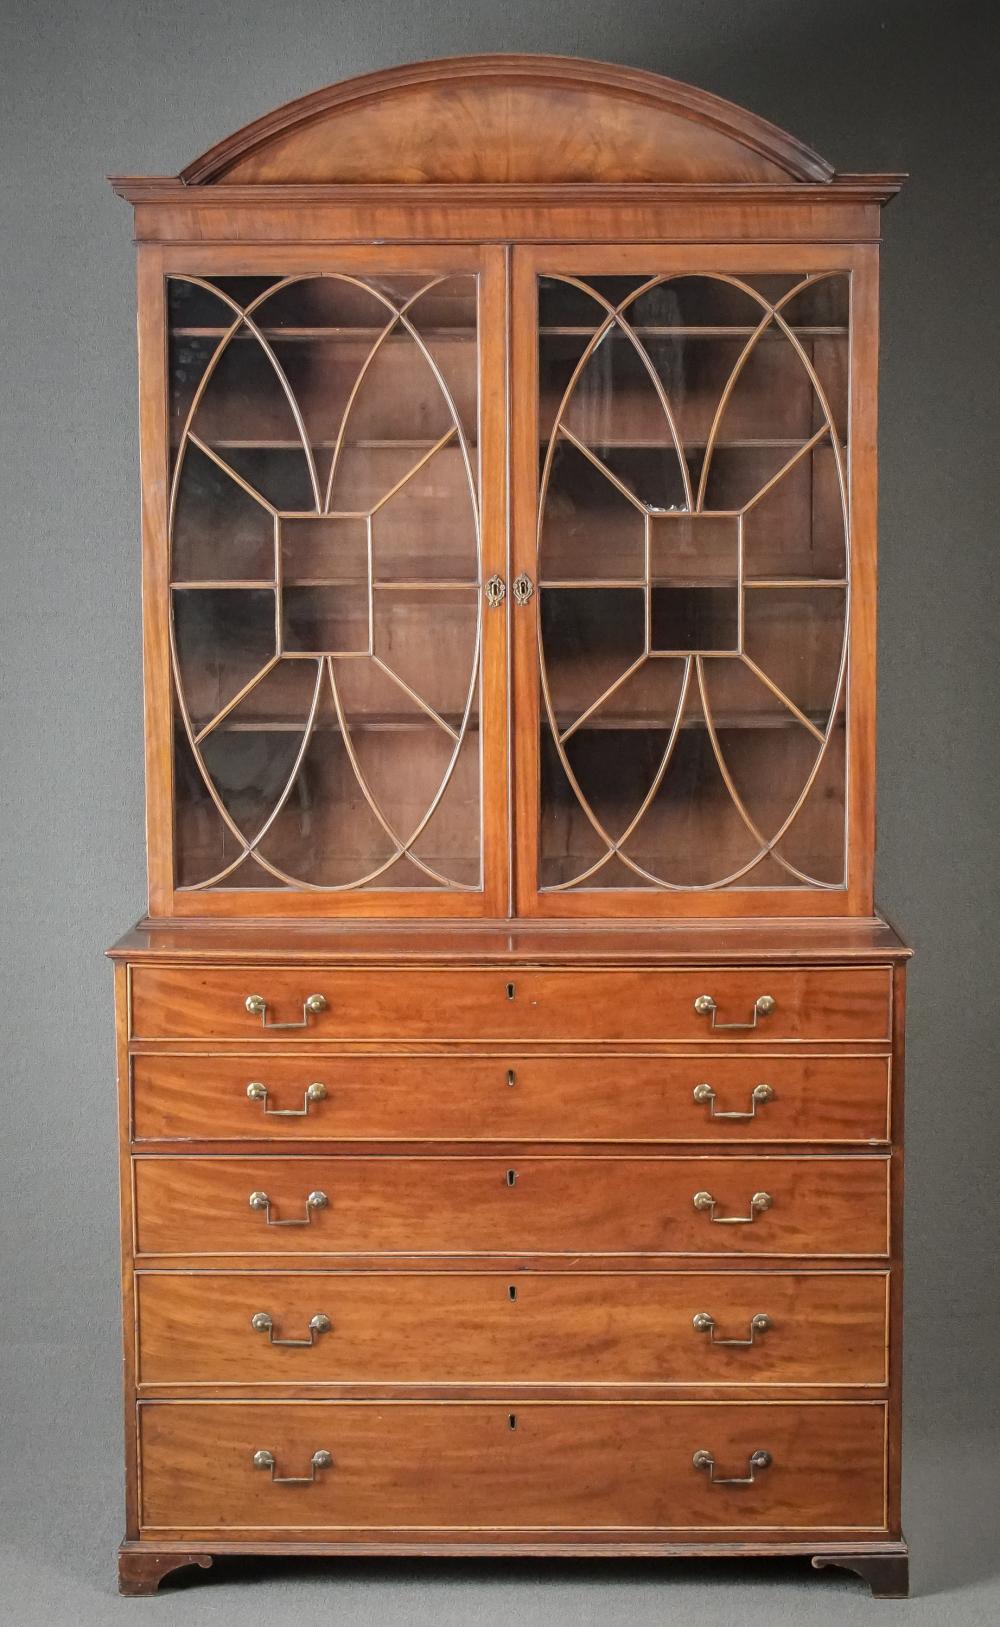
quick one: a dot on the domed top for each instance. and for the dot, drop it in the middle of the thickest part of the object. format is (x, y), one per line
(516, 119)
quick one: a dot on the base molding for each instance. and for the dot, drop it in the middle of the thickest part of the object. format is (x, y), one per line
(883, 1565)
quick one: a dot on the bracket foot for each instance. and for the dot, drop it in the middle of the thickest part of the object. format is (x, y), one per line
(888, 1575)
(140, 1573)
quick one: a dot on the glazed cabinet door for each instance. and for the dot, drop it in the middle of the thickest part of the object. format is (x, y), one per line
(693, 548)
(325, 561)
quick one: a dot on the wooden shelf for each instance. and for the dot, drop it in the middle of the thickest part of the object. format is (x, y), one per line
(545, 331)
(335, 334)
(354, 446)
(564, 585)
(665, 443)
(795, 582)
(383, 585)
(394, 722)
(632, 444)
(689, 331)
(620, 723)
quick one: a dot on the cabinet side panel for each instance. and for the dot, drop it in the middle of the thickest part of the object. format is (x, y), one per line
(895, 1419)
(864, 579)
(153, 452)
(122, 974)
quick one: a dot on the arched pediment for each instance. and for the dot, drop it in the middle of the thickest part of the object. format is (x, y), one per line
(516, 119)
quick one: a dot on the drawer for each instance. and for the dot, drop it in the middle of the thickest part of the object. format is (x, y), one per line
(485, 1328)
(813, 1003)
(321, 1096)
(468, 1466)
(461, 1206)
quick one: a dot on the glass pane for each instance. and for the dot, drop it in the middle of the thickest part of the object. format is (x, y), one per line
(693, 565)
(326, 581)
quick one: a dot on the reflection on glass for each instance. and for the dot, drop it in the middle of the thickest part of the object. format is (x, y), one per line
(325, 570)
(693, 565)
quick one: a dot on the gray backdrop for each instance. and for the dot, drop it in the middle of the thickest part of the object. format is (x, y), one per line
(136, 86)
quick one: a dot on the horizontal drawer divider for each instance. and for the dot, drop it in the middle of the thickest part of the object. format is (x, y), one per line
(260, 1147)
(526, 1263)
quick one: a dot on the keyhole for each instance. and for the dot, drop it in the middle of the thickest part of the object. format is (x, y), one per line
(512, 1294)
(511, 1078)
(512, 1420)
(511, 990)
(511, 1177)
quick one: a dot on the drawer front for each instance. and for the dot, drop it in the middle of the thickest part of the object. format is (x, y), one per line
(461, 1206)
(463, 1467)
(413, 1328)
(838, 1003)
(443, 1098)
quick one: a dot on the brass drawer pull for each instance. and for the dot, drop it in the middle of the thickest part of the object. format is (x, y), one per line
(266, 1460)
(758, 1096)
(758, 1460)
(314, 1093)
(705, 1006)
(495, 590)
(703, 1323)
(257, 1007)
(758, 1203)
(315, 1200)
(261, 1322)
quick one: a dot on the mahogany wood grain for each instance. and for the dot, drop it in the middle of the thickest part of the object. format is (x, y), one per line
(888, 1575)
(864, 569)
(476, 1328)
(509, 118)
(461, 1467)
(859, 1553)
(507, 167)
(126, 1232)
(154, 440)
(494, 700)
(140, 1573)
(896, 1229)
(827, 1004)
(738, 940)
(833, 1206)
(846, 211)
(599, 1097)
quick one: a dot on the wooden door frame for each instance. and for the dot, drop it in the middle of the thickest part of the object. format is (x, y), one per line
(860, 261)
(155, 263)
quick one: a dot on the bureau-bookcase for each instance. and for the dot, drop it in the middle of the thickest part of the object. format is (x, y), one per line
(510, 1061)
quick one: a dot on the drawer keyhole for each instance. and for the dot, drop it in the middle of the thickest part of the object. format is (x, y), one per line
(511, 1177)
(512, 1294)
(512, 1420)
(511, 990)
